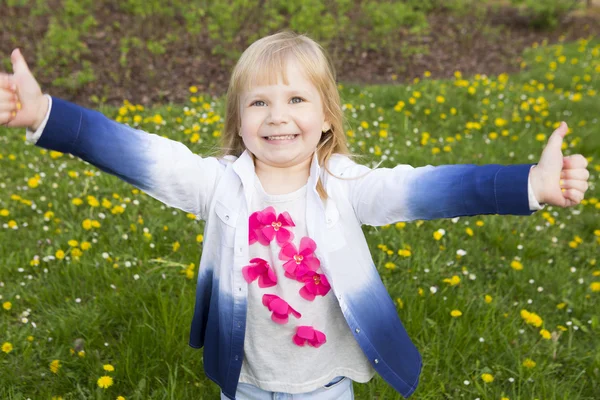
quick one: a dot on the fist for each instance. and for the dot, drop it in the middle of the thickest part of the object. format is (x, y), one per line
(22, 104)
(558, 180)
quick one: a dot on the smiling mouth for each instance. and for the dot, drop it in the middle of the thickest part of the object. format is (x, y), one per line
(281, 137)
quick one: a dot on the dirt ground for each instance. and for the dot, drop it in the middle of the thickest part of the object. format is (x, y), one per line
(489, 45)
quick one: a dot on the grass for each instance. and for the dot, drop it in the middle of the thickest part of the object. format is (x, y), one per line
(123, 293)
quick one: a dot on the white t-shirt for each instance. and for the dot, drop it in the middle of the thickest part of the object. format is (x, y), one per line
(277, 356)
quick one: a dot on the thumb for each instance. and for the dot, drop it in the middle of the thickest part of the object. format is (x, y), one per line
(556, 139)
(18, 62)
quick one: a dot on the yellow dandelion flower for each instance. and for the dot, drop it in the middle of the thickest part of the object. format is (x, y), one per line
(60, 254)
(87, 224)
(546, 334)
(516, 265)
(469, 231)
(7, 347)
(73, 243)
(437, 235)
(77, 201)
(76, 252)
(105, 382)
(529, 363)
(7, 305)
(55, 366)
(455, 280)
(390, 265)
(595, 286)
(404, 253)
(108, 367)
(531, 318)
(488, 299)
(487, 378)
(440, 99)
(33, 182)
(92, 201)
(540, 137)
(399, 302)
(176, 246)
(4, 212)
(480, 223)
(85, 245)
(455, 313)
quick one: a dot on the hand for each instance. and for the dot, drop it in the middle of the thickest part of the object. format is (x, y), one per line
(557, 180)
(22, 103)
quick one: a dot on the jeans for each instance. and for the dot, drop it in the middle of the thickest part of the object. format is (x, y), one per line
(339, 388)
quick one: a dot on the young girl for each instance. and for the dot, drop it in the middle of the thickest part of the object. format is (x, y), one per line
(289, 302)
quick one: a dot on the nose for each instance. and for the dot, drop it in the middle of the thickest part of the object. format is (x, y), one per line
(278, 114)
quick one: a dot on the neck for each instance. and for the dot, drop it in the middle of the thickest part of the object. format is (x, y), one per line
(282, 180)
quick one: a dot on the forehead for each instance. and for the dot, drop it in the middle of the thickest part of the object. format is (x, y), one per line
(278, 71)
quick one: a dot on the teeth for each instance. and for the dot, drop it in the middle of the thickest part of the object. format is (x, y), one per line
(288, 137)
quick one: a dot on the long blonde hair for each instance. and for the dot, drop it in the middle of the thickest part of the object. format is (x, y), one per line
(262, 63)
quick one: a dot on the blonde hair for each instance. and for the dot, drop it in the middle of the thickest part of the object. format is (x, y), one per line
(262, 63)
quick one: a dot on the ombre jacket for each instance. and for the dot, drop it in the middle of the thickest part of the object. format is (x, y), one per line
(218, 191)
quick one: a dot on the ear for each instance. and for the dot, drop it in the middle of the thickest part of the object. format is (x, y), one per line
(326, 126)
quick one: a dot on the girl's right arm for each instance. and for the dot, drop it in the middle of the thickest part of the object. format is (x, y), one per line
(164, 169)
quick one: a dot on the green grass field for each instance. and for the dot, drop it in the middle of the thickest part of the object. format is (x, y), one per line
(94, 273)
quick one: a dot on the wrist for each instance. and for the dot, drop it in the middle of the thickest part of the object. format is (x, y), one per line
(536, 184)
(42, 110)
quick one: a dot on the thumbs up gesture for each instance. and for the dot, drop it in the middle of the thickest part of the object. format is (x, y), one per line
(22, 103)
(557, 180)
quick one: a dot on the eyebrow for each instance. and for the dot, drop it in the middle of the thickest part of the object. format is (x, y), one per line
(259, 93)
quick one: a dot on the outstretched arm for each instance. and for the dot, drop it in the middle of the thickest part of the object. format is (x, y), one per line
(165, 169)
(403, 193)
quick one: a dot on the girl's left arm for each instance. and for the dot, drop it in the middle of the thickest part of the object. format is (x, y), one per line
(404, 193)
(384, 195)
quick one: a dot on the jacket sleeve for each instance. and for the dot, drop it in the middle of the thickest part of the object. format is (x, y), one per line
(165, 169)
(404, 193)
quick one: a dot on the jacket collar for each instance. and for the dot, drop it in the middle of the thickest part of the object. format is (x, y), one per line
(244, 168)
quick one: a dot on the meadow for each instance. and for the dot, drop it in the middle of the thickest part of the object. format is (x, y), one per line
(97, 279)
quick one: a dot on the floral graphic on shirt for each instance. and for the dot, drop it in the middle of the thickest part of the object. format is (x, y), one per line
(266, 224)
(309, 335)
(280, 308)
(314, 285)
(260, 269)
(299, 262)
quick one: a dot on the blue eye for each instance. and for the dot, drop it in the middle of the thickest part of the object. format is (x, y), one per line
(293, 102)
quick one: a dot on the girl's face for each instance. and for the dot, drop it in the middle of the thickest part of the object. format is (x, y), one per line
(282, 124)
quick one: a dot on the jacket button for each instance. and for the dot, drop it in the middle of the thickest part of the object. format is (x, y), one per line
(239, 324)
(227, 218)
(376, 361)
(357, 330)
(237, 358)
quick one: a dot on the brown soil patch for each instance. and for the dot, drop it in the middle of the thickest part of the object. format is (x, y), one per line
(488, 44)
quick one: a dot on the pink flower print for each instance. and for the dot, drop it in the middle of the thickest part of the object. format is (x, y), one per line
(298, 263)
(265, 225)
(314, 285)
(280, 308)
(308, 334)
(260, 269)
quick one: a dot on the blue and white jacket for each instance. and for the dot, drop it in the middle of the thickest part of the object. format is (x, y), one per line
(218, 191)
